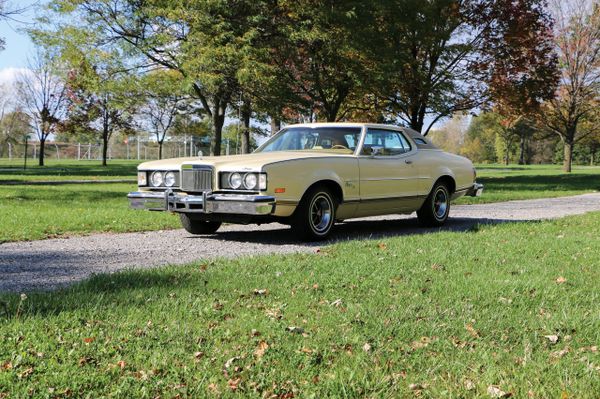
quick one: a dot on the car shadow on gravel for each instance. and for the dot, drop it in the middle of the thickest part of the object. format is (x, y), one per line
(354, 230)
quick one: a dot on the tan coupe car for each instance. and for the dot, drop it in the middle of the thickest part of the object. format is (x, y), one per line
(310, 176)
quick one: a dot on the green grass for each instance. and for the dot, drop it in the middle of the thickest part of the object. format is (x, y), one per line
(517, 182)
(453, 313)
(68, 170)
(37, 212)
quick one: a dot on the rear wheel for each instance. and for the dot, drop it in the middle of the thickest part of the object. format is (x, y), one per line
(198, 226)
(315, 215)
(436, 208)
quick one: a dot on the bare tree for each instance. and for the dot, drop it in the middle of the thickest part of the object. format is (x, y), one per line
(43, 97)
(578, 46)
(159, 114)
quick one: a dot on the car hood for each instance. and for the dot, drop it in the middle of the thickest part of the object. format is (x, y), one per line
(254, 161)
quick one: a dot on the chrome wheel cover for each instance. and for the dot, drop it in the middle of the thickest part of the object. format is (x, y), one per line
(321, 213)
(440, 203)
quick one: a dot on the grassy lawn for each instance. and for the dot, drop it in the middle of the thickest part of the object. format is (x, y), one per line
(67, 170)
(513, 307)
(37, 212)
(516, 182)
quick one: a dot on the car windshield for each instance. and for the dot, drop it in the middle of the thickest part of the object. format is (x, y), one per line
(330, 139)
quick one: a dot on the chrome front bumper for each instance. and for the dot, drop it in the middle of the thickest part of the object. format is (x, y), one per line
(475, 191)
(206, 203)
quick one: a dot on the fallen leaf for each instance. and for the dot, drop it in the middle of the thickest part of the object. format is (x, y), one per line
(7, 366)
(592, 349)
(261, 349)
(495, 392)
(561, 280)
(469, 385)
(261, 292)
(254, 333)
(212, 387)
(474, 333)
(26, 373)
(121, 364)
(233, 383)
(229, 362)
(295, 330)
(382, 246)
(552, 338)
(89, 340)
(198, 355)
(417, 387)
(367, 347)
(337, 303)
(560, 353)
(203, 267)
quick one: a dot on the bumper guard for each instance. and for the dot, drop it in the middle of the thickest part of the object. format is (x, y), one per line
(475, 191)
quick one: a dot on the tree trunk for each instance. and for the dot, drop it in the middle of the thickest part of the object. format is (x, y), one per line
(507, 154)
(275, 125)
(41, 154)
(104, 147)
(522, 151)
(568, 157)
(246, 113)
(218, 120)
(160, 145)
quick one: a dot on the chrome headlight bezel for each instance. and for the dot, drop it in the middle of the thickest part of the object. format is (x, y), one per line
(235, 180)
(156, 178)
(250, 181)
(169, 179)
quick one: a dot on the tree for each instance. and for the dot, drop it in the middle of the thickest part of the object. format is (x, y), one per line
(42, 94)
(521, 80)
(14, 125)
(163, 101)
(480, 140)
(437, 54)
(201, 40)
(577, 36)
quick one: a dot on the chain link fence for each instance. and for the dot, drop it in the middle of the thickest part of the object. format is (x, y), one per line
(131, 149)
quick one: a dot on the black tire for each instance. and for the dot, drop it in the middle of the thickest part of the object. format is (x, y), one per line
(198, 226)
(436, 208)
(314, 218)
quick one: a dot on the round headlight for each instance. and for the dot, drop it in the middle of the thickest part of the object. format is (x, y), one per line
(235, 180)
(250, 181)
(169, 179)
(156, 179)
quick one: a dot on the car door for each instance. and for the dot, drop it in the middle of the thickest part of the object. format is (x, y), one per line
(389, 176)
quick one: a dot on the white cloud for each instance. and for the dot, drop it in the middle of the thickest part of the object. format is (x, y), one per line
(8, 76)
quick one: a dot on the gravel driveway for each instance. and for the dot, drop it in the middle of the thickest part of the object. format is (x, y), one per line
(48, 264)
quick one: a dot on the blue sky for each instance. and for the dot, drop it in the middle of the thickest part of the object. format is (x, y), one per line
(18, 46)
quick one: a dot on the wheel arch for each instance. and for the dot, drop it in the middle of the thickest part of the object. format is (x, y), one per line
(448, 180)
(334, 186)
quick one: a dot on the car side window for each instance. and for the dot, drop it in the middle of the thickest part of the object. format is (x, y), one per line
(385, 143)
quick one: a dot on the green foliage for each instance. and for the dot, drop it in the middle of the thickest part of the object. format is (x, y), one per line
(445, 314)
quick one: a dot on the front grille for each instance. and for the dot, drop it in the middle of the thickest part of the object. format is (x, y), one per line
(197, 179)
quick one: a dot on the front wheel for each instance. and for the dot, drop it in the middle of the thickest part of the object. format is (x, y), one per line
(436, 208)
(198, 226)
(315, 215)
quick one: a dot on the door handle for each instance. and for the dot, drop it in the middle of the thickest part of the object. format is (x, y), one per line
(408, 161)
